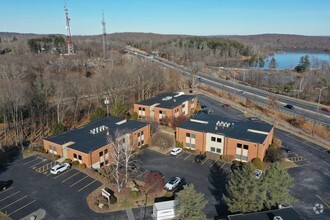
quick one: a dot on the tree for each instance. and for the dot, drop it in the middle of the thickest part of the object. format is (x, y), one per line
(119, 109)
(189, 204)
(274, 154)
(272, 64)
(176, 121)
(303, 65)
(58, 128)
(153, 183)
(272, 101)
(97, 114)
(134, 116)
(277, 184)
(244, 191)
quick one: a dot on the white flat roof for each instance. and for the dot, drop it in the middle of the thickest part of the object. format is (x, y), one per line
(164, 205)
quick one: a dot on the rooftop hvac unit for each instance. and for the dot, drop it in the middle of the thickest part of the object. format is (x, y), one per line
(167, 98)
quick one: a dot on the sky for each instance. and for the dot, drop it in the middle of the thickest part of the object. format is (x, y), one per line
(190, 17)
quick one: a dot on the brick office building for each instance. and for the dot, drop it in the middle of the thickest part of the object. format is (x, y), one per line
(241, 140)
(166, 105)
(89, 144)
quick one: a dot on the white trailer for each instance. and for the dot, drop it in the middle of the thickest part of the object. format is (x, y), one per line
(163, 210)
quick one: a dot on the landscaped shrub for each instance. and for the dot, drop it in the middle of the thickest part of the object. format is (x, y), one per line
(82, 166)
(113, 199)
(135, 194)
(56, 157)
(274, 154)
(75, 163)
(105, 206)
(144, 146)
(257, 163)
(67, 160)
(58, 128)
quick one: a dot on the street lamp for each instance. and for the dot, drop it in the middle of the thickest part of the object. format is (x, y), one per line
(318, 104)
(107, 102)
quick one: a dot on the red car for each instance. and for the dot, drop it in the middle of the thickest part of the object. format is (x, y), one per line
(325, 109)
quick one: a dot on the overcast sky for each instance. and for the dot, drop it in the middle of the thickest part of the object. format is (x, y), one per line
(192, 17)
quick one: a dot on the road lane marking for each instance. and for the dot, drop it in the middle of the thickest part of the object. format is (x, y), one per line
(62, 174)
(9, 196)
(13, 202)
(6, 190)
(78, 181)
(31, 161)
(323, 200)
(70, 177)
(22, 207)
(187, 157)
(204, 161)
(87, 185)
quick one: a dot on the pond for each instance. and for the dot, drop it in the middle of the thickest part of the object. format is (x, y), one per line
(288, 60)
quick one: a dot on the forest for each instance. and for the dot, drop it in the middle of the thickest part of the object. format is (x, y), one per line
(40, 88)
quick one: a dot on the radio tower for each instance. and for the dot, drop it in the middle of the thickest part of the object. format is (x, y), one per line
(104, 38)
(68, 31)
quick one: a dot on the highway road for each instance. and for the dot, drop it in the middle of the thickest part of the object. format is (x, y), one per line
(303, 109)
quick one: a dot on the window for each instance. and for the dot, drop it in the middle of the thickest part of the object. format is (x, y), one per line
(142, 142)
(141, 132)
(138, 134)
(219, 140)
(123, 141)
(238, 156)
(218, 150)
(246, 147)
(139, 144)
(188, 145)
(101, 164)
(140, 109)
(244, 157)
(143, 109)
(213, 139)
(106, 162)
(79, 157)
(183, 105)
(105, 151)
(160, 112)
(101, 153)
(187, 135)
(75, 156)
(213, 149)
(193, 135)
(52, 148)
(239, 145)
(192, 146)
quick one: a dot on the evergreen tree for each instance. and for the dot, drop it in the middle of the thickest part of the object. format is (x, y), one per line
(277, 184)
(303, 65)
(272, 63)
(119, 109)
(189, 204)
(245, 193)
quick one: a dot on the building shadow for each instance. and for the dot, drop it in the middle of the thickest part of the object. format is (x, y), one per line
(218, 179)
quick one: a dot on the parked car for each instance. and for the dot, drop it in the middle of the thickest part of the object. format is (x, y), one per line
(172, 183)
(226, 105)
(203, 106)
(59, 168)
(199, 158)
(258, 173)
(5, 184)
(289, 106)
(325, 109)
(175, 151)
(205, 111)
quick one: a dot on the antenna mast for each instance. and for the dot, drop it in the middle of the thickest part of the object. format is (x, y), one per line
(104, 37)
(68, 31)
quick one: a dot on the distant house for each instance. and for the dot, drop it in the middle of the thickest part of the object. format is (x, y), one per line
(241, 140)
(166, 105)
(89, 144)
(287, 213)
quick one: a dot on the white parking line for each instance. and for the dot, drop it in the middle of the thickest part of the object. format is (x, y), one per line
(223, 165)
(62, 174)
(37, 163)
(323, 200)
(31, 161)
(21, 207)
(70, 177)
(87, 185)
(9, 196)
(204, 161)
(78, 181)
(13, 202)
(6, 190)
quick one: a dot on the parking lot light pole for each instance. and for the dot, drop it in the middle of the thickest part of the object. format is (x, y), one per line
(106, 102)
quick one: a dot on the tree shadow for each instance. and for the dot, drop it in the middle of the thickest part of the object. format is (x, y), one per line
(218, 179)
(8, 157)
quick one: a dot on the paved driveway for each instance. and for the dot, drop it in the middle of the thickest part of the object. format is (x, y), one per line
(62, 196)
(209, 177)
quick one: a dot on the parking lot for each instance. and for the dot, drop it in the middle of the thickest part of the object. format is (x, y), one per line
(209, 176)
(61, 196)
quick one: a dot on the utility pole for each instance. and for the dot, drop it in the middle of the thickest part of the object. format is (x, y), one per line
(104, 38)
(68, 31)
(318, 105)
